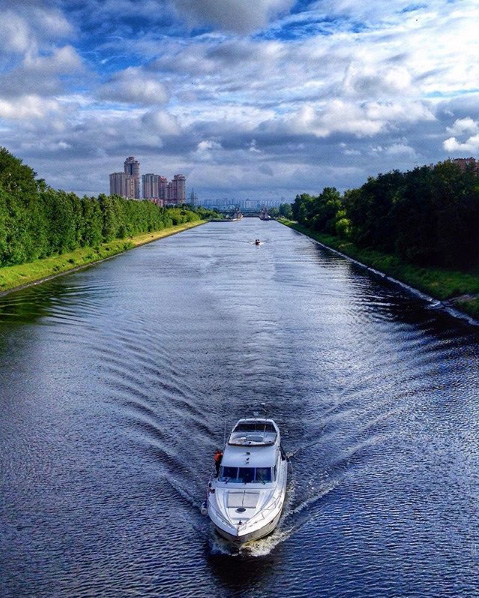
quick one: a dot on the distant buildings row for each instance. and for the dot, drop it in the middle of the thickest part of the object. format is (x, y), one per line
(465, 163)
(254, 205)
(153, 186)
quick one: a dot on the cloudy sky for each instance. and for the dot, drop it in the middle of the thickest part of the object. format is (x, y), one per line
(247, 98)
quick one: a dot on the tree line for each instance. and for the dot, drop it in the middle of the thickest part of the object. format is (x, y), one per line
(37, 221)
(428, 216)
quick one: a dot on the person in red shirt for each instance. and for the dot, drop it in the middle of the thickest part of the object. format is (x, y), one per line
(218, 458)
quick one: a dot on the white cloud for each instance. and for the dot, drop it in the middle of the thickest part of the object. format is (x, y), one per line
(134, 86)
(362, 120)
(394, 150)
(471, 145)
(208, 145)
(464, 136)
(41, 74)
(222, 118)
(207, 149)
(161, 122)
(64, 60)
(14, 33)
(241, 16)
(24, 28)
(50, 23)
(27, 107)
(395, 112)
(463, 126)
(377, 81)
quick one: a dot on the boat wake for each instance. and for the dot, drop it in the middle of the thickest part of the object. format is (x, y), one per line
(183, 492)
(295, 517)
(308, 503)
(256, 548)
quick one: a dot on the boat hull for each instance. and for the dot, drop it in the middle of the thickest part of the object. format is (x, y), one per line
(242, 538)
(253, 531)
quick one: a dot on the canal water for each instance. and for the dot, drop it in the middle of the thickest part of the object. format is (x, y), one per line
(118, 382)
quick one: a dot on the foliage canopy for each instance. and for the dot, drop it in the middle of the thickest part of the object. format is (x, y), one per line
(37, 221)
(428, 216)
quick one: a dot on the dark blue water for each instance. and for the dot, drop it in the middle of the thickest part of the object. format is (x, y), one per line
(115, 386)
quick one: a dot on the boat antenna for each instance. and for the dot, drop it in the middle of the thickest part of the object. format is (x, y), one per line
(224, 433)
(262, 409)
(265, 412)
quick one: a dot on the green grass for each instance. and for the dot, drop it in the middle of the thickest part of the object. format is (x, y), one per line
(458, 287)
(13, 277)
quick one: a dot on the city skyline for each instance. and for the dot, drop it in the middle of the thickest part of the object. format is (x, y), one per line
(287, 97)
(153, 186)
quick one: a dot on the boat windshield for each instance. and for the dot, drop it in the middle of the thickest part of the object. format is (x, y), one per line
(252, 426)
(246, 475)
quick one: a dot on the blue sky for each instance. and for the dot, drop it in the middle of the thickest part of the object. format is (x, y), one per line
(260, 99)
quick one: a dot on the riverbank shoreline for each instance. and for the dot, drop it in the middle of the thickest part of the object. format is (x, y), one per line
(15, 278)
(457, 293)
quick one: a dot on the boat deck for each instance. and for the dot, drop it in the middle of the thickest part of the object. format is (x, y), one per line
(253, 433)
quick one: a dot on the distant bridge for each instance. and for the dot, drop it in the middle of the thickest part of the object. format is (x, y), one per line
(247, 212)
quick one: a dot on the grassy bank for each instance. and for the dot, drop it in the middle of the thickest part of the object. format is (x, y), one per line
(460, 289)
(14, 277)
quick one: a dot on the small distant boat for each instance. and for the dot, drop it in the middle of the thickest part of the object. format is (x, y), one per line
(245, 499)
(257, 242)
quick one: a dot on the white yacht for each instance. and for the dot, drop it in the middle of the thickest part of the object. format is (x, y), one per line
(246, 497)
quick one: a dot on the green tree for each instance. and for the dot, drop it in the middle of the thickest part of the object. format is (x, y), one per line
(303, 208)
(342, 225)
(286, 210)
(371, 211)
(15, 177)
(416, 218)
(92, 217)
(109, 209)
(324, 210)
(62, 225)
(449, 189)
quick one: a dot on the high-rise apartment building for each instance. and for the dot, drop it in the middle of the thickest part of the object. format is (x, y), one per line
(127, 183)
(132, 168)
(177, 189)
(122, 184)
(162, 187)
(150, 186)
(155, 187)
(193, 198)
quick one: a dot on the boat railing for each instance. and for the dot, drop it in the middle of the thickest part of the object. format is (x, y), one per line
(252, 438)
(218, 513)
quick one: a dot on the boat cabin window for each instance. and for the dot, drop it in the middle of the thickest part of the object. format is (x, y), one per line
(246, 475)
(263, 474)
(255, 427)
(228, 473)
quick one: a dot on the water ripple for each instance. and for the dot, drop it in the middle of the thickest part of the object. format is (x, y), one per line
(118, 382)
